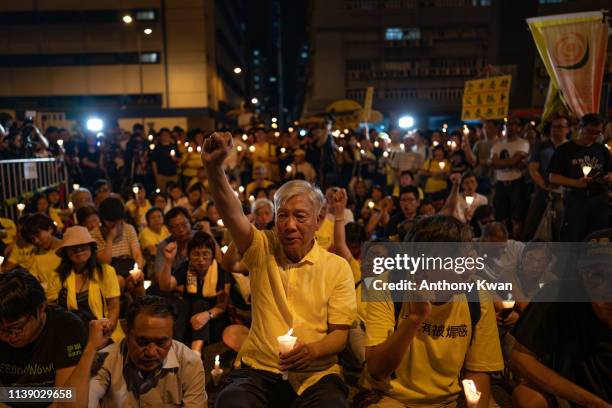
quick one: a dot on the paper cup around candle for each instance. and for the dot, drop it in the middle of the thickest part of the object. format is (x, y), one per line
(21, 207)
(172, 153)
(251, 149)
(151, 146)
(60, 142)
(285, 345)
(442, 165)
(241, 189)
(469, 200)
(75, 186)
(586, 170)
(239, 148)
(245, 138)
(216, 374)
(190, 149)
(386, 154)
(288, 169)
(135, 190)
(341, 149)
(147, 284)
(371, 204)
(283, 150)
(199, 149)
(472, 395)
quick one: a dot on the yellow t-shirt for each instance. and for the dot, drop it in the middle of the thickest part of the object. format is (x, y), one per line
(149, 237)
(396, 192)
(433, 167)
(22, 256)
(44, 264)
(325, 234)
(361, 305)
(428, 374)
(253, 185)
(306, 296)
(262, 155)
(138, 214)
(10, 229)
(191, 162)
(55, 217)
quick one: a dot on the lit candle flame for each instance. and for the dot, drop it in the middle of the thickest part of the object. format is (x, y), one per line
(469, 200)
(190, 149)
(442, 165)
(251, 149)
(245, 137)
(136, 190)
(241, 189)
(60, 142)
(239, 148)
(288, 169)
(283, 150)
(340, 149)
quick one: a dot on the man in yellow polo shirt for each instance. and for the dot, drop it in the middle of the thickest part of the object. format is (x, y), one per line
(419, 361)
(295, 284)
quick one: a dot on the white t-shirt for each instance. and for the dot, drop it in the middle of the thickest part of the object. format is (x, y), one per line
(464, 211)
(505, 150)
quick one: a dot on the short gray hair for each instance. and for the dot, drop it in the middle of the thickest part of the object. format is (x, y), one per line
(299, 187)
(261, 202)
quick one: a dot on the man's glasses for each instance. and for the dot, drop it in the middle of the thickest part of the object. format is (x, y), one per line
(17, 328)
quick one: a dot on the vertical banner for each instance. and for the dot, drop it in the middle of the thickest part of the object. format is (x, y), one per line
(486, 98)
(367, 103)
(573, 48)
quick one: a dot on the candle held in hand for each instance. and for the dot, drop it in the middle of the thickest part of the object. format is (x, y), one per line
(469, 200)
(285, 345)
(586, 170)
(472, 395)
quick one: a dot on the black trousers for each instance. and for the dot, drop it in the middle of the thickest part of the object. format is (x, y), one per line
(250, 388)
(584, 215)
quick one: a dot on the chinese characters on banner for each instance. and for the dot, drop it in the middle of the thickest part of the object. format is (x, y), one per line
(486, 98)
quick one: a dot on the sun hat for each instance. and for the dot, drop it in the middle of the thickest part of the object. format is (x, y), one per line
(76, 235)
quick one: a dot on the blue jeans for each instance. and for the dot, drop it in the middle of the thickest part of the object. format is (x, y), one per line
(250, 388)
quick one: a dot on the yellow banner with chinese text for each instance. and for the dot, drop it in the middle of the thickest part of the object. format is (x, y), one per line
(486, 98)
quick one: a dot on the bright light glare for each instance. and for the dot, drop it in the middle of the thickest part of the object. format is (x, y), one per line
(237, 70)
(406, 122)
(94, 124)
(147, 31)
(254, 101)
(127, 19)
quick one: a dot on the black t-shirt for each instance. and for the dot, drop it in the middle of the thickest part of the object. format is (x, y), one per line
(458, 161)
(180, 274)
(59, 345)
(569, 158)
(161, 155)
(570, 339)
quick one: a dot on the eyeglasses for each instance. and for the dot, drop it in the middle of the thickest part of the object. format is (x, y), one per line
(18, 329)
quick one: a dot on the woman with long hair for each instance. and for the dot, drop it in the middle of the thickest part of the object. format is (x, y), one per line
(83, 285)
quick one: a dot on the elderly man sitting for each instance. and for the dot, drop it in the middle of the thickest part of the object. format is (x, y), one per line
(295, 285)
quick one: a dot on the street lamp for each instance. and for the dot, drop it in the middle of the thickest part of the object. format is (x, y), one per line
(237, 70)
(254, 101)
(127, 19)
(147, 31)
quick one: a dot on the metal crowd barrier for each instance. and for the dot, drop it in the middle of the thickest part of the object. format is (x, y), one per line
(21, 178)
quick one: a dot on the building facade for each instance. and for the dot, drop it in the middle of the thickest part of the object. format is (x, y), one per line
(170, 58)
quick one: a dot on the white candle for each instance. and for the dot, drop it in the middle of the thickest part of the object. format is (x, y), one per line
(224, 248)
(245, 137)
(190, 149)
(442, 165)
(469, 200)
(376, 144)
(251, 149)
(251, 198)
(1, 260)
(385, 154)
(586, 170)
(135, 189)
(288, 169)
(241, 189)
(362, 152)
(341, 149)
(466, 131)
(157, 190)
(150, 138)
(199, 149)
(151, 146)
(60, 142)
(371, 204)
(217, 362)
(172, 153)
(453, 144)
(186, 144)
(75, 186)
(21, 207)
(220, 223)
(283, 150)
(70, 206)
(147, 284)
(134, 272)
(285, 345)
(239, 148)
(472, 395)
